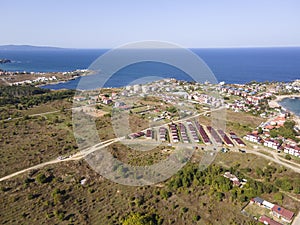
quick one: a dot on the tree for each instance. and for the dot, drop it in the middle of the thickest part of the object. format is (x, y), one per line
(284, 184)
(41, 178)
(184, 209)
(165, 194)
(138, 219)
(172, 109)
(278, 196)
(196, 218)
(297, 190)
(219, 196)
(259, 172)
(288, 157)
(273, 133)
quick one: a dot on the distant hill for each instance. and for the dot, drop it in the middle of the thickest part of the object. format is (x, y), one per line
(26, 48)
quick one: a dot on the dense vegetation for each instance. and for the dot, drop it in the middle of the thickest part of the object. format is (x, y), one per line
(28, 96)
(18, 91)
(286, 131)
(219, 186)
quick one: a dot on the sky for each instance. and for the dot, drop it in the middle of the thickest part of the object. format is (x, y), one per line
(111, 23)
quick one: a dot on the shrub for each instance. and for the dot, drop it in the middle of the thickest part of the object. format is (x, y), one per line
(41, 178)
(184, 209)
(288, 157)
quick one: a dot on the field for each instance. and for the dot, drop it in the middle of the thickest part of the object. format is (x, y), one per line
(29, 141)
(64, 200)
(55, 195)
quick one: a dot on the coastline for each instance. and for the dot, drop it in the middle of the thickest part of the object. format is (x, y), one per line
(275, 103)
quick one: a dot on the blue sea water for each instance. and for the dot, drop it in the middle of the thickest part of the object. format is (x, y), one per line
(232, 65)
(291, 104)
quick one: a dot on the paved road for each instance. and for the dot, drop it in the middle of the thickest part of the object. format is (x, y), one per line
(296, 220)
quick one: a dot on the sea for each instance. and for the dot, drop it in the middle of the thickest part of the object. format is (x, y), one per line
(231, 65)
(291, 104)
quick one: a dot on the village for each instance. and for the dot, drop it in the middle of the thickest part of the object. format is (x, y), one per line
(252, 98)
(17, 78)
(267, 212)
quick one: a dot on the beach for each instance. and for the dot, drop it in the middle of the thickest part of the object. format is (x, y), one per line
(275, 103)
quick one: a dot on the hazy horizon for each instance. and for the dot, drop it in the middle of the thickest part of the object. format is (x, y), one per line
(104, 48)
(192, 24)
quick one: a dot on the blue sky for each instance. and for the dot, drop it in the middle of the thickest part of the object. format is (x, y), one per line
(191, 23)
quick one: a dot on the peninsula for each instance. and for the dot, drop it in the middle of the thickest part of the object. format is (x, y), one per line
(2, 61)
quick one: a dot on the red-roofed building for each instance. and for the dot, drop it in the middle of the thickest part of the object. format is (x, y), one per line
(253, 138)
(268, 221)
(269, 127)
(284, 214)
(292, 150)
(272, 143)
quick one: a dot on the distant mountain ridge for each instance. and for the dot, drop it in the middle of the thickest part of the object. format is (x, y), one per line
(27, 48)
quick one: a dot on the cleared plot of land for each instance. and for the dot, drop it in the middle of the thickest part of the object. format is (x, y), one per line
(256, 210)
(241, 122)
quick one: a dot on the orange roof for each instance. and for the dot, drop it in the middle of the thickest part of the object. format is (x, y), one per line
(269, 127)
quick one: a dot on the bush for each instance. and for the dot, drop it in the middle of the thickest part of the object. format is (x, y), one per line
(278, 196)
(297, 190)
(138, 219)
(30, 196)
(196, 218)
(165, 194)
(288, 157)
(41, 178)
(184, 209)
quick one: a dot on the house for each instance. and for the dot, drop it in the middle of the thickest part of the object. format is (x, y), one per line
(240, 142)
(226, 139)
(278, 211)
(254, 99)
(269, 127)
(193, 131)
(114, 95)
(257, 200)
(274, 144)
(233, 178)
(203, 133)
(79, 98)
(149, 134)
(282, 213)
(252, 137)
(214, 135)
(107, 101)
(119, 104)
(268, 221)
(136, 135)
(292, 150)
(183, 133)
(267, 204)
(237, 139)
(174, 132)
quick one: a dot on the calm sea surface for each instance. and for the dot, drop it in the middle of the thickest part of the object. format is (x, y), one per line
(291, 104)
(236, 65)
